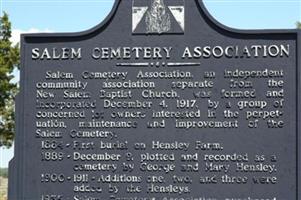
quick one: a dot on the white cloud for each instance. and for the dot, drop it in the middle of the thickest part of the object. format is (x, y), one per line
(17, 32)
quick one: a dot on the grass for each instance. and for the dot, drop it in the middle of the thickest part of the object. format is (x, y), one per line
(3, 188)
(3, 183)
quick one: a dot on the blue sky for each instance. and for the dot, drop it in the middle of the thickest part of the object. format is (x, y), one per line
(76, 15)
(79, 15)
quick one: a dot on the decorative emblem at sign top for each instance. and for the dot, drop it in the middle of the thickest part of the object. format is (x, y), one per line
(157, 19)
(158, 16)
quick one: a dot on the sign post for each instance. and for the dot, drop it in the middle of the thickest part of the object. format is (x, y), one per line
(158, 102)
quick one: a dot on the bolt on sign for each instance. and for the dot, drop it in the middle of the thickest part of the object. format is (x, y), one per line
(158, 102)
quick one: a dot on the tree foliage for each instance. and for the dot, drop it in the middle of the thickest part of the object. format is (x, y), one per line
(9, 60)
(4, 172)
(298, 24)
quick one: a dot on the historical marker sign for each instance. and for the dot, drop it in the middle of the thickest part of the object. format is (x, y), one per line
(159, 102)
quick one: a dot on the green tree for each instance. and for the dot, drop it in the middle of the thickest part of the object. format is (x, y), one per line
(4, 172)
(9, 60)
(298, 25)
